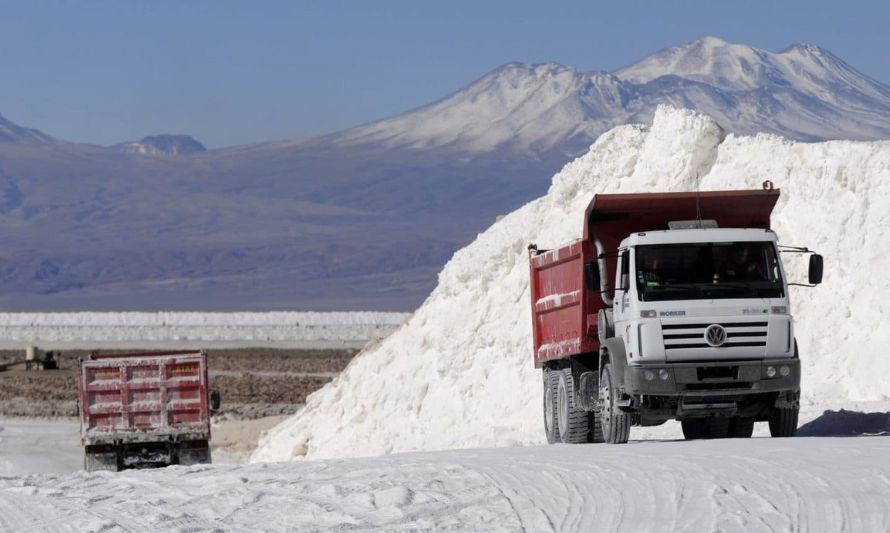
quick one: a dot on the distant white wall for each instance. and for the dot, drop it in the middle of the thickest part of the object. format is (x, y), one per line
(280, 329)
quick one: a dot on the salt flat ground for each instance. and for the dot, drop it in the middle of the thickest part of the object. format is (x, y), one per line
(760, 484)
(41, 445)
(37, 446)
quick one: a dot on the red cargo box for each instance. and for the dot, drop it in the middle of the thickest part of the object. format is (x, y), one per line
(561, 304)
(144, 397)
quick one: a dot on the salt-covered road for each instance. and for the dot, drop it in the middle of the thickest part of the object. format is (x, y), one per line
(761, 484)
(39, 446)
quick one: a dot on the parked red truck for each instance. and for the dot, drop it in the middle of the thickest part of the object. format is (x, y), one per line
(145, 409)
(671, 306)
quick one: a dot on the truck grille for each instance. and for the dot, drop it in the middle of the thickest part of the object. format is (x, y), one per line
(738, 335)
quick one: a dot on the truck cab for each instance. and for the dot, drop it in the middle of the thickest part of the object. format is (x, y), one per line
(692, 319)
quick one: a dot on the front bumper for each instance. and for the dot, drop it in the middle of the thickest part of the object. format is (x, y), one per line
(719, 378)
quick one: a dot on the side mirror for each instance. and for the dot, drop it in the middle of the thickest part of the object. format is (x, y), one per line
(815, 277)
(215, 400)
(592, 277)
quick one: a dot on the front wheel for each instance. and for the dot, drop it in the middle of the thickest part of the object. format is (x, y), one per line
(783, 421)
(615, 422)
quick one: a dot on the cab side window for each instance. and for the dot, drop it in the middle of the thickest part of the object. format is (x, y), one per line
(624, 281)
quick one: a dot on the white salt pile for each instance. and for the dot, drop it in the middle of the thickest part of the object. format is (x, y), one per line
(460, 373)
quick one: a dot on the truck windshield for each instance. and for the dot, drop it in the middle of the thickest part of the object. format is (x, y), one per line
(712, 270)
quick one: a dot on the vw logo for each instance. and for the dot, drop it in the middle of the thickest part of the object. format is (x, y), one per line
(715, 335)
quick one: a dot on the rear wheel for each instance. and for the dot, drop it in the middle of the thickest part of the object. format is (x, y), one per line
(550, 407)
(594, 423)
(783, 421)
(615, 422)
(571, 420)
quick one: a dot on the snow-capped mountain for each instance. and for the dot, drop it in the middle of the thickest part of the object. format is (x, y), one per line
(365, 218)
(803, 92)
(164, 145)
(531, 108)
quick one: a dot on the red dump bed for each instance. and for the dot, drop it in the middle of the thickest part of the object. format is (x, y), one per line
(564, 311)
(144, 397)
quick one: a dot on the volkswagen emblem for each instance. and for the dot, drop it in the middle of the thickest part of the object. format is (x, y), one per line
(715, 335)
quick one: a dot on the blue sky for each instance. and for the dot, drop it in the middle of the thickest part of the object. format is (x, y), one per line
(240, 72)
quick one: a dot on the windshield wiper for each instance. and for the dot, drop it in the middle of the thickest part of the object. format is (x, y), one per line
(672, 286)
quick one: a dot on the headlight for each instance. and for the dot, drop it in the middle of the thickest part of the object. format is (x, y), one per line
(785, 371)
(770, 371)
(663, 374)
(649, 375)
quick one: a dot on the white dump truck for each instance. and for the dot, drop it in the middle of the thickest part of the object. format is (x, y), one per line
(671, 306)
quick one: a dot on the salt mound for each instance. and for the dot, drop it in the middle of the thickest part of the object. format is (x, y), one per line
(459, 373)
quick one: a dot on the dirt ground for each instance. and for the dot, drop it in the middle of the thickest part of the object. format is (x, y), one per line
(254, 382)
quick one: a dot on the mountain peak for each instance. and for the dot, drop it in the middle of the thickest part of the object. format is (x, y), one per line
(164, 144)
(530, 68)
(806, 48)
(710, 59)
(708, 40)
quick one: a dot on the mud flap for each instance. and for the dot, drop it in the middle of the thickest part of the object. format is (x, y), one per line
(99, 458)
(193, 453)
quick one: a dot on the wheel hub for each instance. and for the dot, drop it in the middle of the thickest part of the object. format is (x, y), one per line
(605, 405)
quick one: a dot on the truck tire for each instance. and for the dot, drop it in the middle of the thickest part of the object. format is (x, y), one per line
(741, 427)
(193, 453)
(571, 421)
(550, 383)
(595, 424)
(783, 421)
(615, 422)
